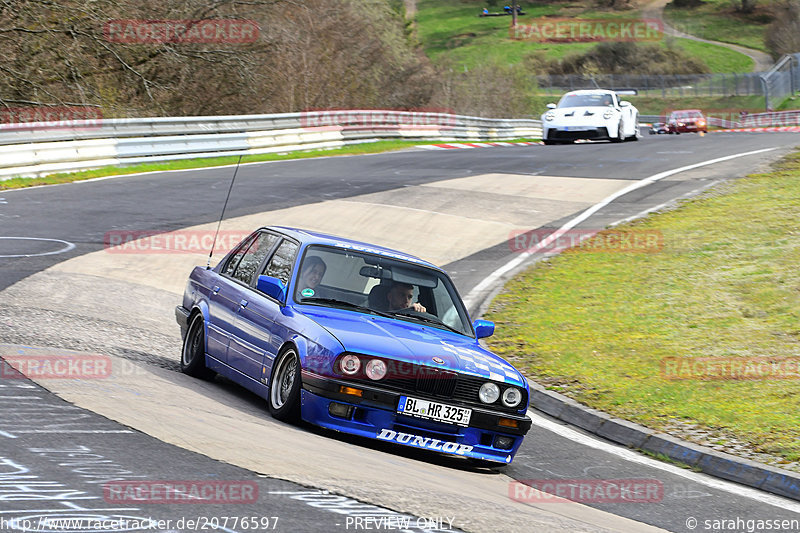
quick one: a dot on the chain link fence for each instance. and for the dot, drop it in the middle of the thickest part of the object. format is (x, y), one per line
(780, 82)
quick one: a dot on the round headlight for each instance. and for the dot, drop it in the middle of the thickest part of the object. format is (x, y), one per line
(549, 115)
(375, 369)
(350, 364)
(608, 114)
(489, 392)
(512, 397)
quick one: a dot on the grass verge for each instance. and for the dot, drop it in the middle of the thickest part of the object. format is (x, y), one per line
(602, 327)
(356, 149)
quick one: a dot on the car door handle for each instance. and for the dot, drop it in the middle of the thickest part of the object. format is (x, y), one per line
(215, 290)
(243, 303)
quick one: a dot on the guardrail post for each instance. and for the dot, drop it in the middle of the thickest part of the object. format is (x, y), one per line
(765, 87)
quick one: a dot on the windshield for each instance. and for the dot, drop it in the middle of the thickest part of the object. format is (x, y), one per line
(376, 284)
(586, 100)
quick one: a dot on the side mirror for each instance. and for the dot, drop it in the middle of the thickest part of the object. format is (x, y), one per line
(272, 287)
(483, 328)
(624, 103)
(551, 106)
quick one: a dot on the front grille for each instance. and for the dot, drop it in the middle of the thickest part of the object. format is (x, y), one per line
(598, 133)
(439, 384)
(436, 382)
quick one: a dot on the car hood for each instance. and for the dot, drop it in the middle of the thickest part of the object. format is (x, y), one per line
(412, 342)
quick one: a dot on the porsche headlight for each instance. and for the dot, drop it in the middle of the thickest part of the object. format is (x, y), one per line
(511, 397)
(489, 392)
(549, 115)
(608, 114)
(375, 369)
(350, 364)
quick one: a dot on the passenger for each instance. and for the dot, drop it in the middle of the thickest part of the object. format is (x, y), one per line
(312, 272)
(400, 296)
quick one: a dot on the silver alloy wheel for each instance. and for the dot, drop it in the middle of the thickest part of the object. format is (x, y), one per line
(283, 379)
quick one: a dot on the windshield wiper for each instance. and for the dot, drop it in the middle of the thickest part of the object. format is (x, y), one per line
(343, 303)
(429, 319)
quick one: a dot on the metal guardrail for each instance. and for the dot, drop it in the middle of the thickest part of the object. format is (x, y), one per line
(773, 119)
(34, 149)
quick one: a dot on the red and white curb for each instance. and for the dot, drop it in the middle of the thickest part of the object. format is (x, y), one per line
(778, 128)
(455, 146)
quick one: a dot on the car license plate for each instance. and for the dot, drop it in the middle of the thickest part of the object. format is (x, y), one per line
(434, 411)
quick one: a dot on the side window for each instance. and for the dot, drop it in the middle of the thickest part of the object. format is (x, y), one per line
(280, 266)
(253, 257)
(233, 262)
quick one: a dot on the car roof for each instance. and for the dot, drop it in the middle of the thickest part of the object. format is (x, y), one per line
(591, 91)
(307, 237)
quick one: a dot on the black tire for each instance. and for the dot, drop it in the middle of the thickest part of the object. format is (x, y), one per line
(193, 354)
(284, 387)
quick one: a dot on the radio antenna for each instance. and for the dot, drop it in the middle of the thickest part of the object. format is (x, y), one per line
(222, 215)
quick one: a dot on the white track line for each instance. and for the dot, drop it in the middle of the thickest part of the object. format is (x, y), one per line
(492, 278)
(634, 457)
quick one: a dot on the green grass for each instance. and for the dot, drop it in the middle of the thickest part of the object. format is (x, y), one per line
(717, 20)
(718, 58)
(598, 325)
(452, 30)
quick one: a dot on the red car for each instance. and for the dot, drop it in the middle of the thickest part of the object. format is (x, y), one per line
(687, 121)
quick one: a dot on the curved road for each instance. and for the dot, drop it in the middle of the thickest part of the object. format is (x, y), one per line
(467, 202)
(762, 61)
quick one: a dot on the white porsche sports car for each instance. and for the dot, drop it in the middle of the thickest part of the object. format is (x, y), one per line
(595, 114)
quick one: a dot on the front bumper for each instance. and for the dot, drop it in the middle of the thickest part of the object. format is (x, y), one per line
(182, 318)
(572, 133)
(373, 415)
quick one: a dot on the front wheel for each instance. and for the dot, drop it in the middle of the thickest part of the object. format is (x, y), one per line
(284, 387)
(620, 135)
(193, 355)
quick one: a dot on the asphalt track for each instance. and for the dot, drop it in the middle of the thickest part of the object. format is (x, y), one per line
(466, 203)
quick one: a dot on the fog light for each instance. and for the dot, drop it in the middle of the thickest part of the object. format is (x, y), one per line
(341, 410)
(507, 422)
(351, 391)
(504, 443)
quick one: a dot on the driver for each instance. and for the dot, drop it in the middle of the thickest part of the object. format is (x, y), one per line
(400, 296)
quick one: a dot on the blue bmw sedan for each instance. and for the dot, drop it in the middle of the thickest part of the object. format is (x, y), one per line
(356, 338)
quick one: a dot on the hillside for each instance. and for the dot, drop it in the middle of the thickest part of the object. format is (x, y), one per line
(451, 31)
(256, 57)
